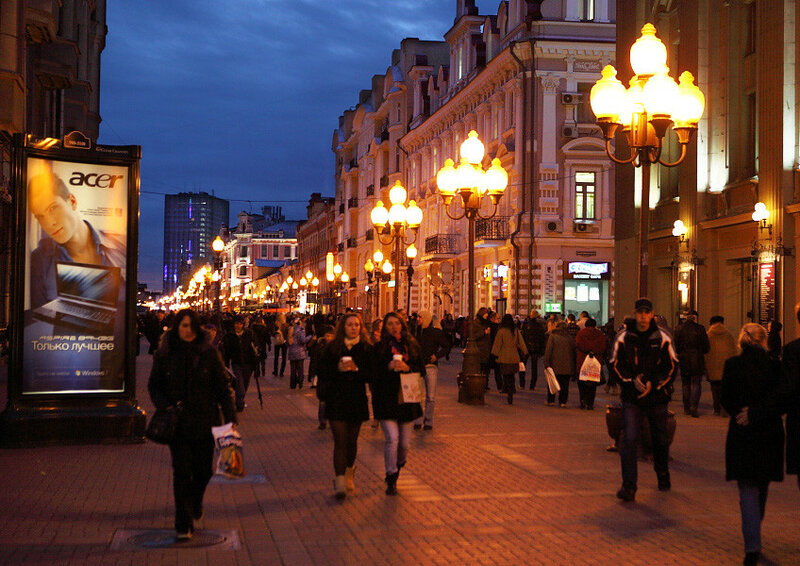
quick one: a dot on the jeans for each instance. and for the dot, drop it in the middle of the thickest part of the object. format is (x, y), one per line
(395, 449)
(430, 377)
(191, 469)
(716, 394)
(563, 395)
(692, 388)
(345, 445)
(633, 415)
(280, 351)
(752, 502)
(296, 373)
(241, 383)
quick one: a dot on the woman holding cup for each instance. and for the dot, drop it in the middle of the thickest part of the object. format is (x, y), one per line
(397, 353)
(344, 368)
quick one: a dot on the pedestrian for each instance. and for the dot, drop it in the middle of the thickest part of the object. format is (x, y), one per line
(774, 342)
(397, 352)
(297, 341)
(259, 330)
(691, 344)
(509, 349)
(494, 326)
(239, 352)
(644, 362)
(212, 336)
(279, 341)
(722, 345)
(754, 445)
(480, 332)
(377, 325)
(590, 341)
(559, 355)
(345, 368)
(582, 318)
(572, 326)
(187, 376)
(433, 345)
(535, 339)
(319, 346)
(791, 375)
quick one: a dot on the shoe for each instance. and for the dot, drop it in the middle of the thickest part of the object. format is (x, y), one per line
(340, 487)
(626, 493)
(183, 536)
(300, 386)
(562, 405)
(583, 407)
(664, 483)
(548, 403)
(695, 414)
(417, 426)
(321, 426)
(590, 407)
(391, 483)
(350, 479)
(427, 427)
(751, 558)
(510, 398)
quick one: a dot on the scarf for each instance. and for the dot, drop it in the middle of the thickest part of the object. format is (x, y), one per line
(349, 343)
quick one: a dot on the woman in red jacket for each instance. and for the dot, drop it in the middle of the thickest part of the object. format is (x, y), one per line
(590, 340)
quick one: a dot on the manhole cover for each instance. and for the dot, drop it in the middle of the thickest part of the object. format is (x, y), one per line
(252, 478)
(165, 538)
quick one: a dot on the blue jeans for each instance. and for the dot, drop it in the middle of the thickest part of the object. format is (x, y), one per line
(752, 502)
(430, 377)
(633, 415)
(692, 388)
(395, 449)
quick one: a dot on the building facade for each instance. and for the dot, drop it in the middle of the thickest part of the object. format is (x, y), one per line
(191, 222)
(49, 86)
(520, 78)
(744, 55)
(316, 236)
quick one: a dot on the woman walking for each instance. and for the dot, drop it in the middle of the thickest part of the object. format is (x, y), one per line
(344, 369)
(559, 354)
(509, 348)
(589, 341)
(397, 352)
(754, 446)
(188, 377)
(297, 353)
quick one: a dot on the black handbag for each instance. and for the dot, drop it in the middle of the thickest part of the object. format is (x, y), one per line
(162, 425)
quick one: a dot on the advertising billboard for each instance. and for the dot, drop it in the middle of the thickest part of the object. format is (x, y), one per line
(75, 277)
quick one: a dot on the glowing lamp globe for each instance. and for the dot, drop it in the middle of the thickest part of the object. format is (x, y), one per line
(379, 215)
(465, 175)
(607, 95)
(387, 267)
(632, 104)
(411, 252)
(413, 214)
(303, 281)
(290, 280)
(345, 277)
(446, 179)
(337, 269)
(294, 285)
(397, 194)
(217, 245)
(690, 104)
(660, 94)
(377, 257)
(315, 282)
(472, 148)
(496, 178)
(648, 53)
(369, 266)
(679, 228)
(309, 275)
(397, 214)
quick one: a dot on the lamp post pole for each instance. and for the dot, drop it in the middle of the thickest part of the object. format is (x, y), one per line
(217, 246)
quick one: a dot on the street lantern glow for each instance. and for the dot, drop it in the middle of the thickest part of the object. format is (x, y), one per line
(648, 53)
(303, 281)
(660, 94)
(446, 179)
(387, 267)
(344, 277)
(472, 148)
(309, 275)
(760, 213)
(411, 252)
(397, 194)
(496, 179)
(691, 102)
(679, 229)
(397, 214)
(377, 257)
(315, 282)
(217, 245)
(369, 266)
(337, 270)
(413, 214)
(606, 95)
(379, 215)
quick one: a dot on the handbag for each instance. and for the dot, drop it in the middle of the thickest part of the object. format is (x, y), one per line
(162, 425)
(410, 388)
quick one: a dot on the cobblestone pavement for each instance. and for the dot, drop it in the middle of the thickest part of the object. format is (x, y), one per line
(498, 484)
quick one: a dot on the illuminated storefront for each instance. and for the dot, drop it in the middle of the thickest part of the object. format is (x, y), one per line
(586, 288)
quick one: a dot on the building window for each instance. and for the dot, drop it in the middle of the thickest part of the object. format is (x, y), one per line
(243, 251)
(584, 195)
(264, 251)
(243, 271)
(750, 28)
(586, 10)
(276, 252)
(287, 251)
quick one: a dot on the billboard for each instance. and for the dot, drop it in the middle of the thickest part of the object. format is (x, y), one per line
(75, 245)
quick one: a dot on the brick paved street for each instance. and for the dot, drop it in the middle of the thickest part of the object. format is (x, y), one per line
(521, 484)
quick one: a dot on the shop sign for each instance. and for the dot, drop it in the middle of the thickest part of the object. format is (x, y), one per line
(587, 270)
(766, 292)
(552, 307)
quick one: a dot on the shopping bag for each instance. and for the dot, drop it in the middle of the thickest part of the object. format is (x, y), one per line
(591, 369)
(522, 366)
(230, 459)
(410, 388)
(552, 383)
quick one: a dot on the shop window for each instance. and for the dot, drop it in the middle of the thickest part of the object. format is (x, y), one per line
(585, 191)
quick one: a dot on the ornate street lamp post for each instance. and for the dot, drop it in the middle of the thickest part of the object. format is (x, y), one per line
(392, 224)
(217, 246)
(472, 184)
(645, 111)
(337, 278)
(411, 253)
(378, 269)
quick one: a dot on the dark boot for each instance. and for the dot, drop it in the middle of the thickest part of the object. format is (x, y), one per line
(664, 483)
(391, 483)
(522, 381)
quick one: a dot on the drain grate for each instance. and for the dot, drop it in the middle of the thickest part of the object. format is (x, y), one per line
(165, 538)
(251, 479)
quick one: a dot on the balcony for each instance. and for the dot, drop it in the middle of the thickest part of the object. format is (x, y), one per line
(491, 232)
(352, 202)
(40, 21)
(370, 190)
(385, 181)
(352, 242)
(353, 164)
(441, 245)
(340, 247)
(370, 235)
(353, 284)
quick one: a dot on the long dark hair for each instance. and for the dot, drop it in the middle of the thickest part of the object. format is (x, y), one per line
(194, 320)
(508, 322)
(337, 344)
(405, 336)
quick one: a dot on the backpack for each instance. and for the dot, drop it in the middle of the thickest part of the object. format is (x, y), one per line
(279, 339)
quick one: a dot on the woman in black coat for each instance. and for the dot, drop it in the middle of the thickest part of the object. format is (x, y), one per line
(345, 366)
(397, 352)
(188, 376)
(754, 446)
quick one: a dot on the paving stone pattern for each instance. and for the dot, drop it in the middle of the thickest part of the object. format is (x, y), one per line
(499, 484)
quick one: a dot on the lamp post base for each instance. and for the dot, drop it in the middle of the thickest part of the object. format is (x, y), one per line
(471, 381)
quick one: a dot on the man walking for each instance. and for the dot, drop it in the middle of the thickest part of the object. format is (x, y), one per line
(691, 343)
(433, 345)
(644, 361)
(535, 339)
(238, 351)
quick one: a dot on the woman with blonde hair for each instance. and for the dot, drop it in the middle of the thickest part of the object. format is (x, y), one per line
(754, 445)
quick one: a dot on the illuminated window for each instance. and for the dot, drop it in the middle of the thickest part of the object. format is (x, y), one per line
(586, 10)
(584, 195)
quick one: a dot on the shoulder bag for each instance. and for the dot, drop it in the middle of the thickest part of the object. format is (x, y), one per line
(162, 425)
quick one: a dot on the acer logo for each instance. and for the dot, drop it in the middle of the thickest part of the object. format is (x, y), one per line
(103, 181)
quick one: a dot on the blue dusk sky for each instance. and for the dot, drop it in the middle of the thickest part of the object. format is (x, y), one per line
(241, 97)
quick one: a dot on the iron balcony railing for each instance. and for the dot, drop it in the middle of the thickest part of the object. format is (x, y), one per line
(492, 228)
(442, 244)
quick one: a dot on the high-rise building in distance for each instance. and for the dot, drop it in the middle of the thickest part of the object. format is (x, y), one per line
(191, 222)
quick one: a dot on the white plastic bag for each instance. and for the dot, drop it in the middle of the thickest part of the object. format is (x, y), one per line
(552, 383)
(230, 458)
(591, 369)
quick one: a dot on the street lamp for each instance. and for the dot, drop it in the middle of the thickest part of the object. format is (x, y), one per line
(217, 246)
(394, 222)
(336, 277)
(377, 270)
(652, 103)
(472, 184)
(411, 253)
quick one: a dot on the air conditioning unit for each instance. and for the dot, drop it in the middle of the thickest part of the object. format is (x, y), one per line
(569, 131)
(584, 227)
(570, 98)
(553, 226)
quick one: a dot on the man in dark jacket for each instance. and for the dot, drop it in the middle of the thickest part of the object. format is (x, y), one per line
(644, 361)
(433, 346)
(691, 343)
(239, 351)
(791, 376)
(535, 340)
